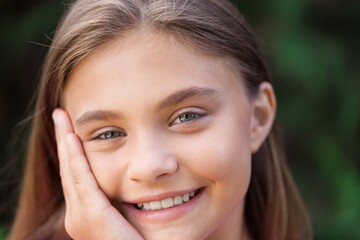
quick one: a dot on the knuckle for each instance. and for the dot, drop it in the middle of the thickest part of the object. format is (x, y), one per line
(76, 178)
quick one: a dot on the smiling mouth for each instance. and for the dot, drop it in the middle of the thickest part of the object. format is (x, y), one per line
(167, 202)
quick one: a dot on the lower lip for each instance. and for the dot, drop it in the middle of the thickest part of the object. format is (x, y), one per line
(165, 214)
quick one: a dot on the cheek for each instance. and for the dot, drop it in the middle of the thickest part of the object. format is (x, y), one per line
(107, 169)
(221, 153)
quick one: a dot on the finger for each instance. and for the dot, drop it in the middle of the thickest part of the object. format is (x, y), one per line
(63, 126)
(84, 181)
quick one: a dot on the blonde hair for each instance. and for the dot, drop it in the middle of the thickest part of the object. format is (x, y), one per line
(273, 209)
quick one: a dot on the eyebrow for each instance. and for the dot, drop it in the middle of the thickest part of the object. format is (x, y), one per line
(184, 94)
(99, 115)
(171, 100)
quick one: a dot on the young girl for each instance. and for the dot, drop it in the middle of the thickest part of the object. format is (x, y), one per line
(159, 116)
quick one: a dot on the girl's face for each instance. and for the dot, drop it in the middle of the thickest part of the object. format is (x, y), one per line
(168, 136)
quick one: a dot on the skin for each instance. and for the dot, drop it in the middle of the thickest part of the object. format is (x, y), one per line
(153, 148)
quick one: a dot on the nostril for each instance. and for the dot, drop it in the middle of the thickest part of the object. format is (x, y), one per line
(151, 170)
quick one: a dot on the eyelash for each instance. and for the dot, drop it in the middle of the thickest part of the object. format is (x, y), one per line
(104, 135)
(115, 134)
(195, 115)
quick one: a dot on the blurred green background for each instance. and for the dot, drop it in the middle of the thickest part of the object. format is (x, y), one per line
(312, 47)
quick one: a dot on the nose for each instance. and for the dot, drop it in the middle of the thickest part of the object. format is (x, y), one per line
(150, 159)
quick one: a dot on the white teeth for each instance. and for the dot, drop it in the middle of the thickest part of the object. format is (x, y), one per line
(156, 205)
(186, 197)
(178, 200)
(146, 206)
(166, 203)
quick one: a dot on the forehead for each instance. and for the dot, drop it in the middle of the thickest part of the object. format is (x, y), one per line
(146, 61)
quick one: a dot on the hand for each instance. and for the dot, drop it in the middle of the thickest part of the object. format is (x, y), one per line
(89, 213)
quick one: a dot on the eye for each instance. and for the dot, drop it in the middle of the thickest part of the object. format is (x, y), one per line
(109, 135)
(187, 117)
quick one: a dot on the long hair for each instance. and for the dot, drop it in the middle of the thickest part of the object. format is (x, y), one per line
(273, 208)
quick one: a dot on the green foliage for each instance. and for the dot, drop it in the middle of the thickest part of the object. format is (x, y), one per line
(312, 49)
(3, 234)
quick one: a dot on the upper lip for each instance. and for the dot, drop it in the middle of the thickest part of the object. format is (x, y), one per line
(161, 196)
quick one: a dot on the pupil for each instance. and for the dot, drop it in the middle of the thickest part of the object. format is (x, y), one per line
(110, 134)
(187, 116)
